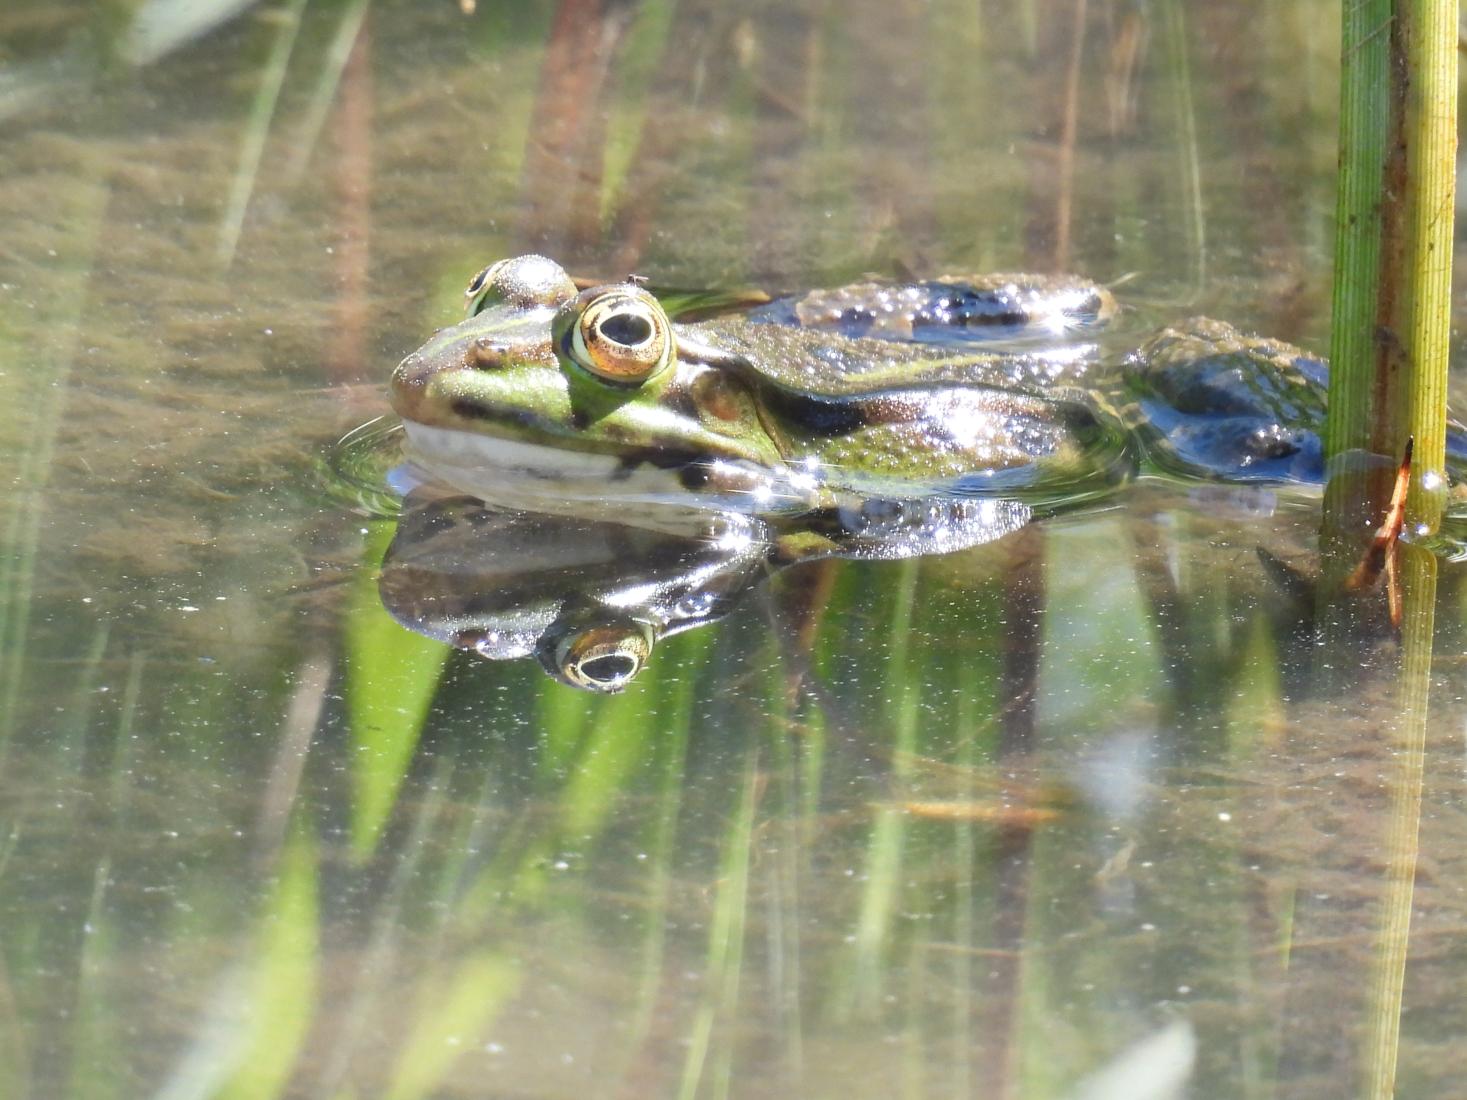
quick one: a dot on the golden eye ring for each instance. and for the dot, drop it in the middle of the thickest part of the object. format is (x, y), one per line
(620, 334)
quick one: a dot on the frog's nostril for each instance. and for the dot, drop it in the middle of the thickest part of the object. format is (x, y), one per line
(485, 354)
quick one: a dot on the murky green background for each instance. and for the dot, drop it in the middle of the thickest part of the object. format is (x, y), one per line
(1070, 812)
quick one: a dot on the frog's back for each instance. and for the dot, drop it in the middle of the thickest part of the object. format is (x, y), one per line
(828, 362)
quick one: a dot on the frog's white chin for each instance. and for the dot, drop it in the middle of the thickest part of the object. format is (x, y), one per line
(535, 477)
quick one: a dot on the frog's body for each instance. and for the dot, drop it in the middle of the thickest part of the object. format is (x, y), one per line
(597, 403)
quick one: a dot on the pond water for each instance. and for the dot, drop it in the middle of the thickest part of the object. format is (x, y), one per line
(1085, 812)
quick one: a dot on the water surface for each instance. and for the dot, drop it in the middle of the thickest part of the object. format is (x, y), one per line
(999, 823)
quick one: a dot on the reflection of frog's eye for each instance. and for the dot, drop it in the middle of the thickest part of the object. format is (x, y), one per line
(603, 658)
(523, 281)
(619, 334)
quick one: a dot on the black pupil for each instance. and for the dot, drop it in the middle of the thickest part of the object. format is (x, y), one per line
(627, 329)
(609, 668)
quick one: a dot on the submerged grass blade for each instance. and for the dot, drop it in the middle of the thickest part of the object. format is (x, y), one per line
(888, 833)
(159, 27)
(455, 1008)
(354, 1012)
(794, 831)
(725, 944)
(246, 1039)
(638, 66)
(671, 758)
(391, 676)
(257, 129)
(45, 340)
(1175, 31)
(615, 744)
(15, 1065)
(282, 991)
(100, 1032)
(660, 854)
(328, 80)
(623, 737)
(562, 718)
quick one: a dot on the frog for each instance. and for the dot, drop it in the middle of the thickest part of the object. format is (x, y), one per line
(852, 412)
(595, 402)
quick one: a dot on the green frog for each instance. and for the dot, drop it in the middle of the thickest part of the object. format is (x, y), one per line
(595, 402)
(856, 408)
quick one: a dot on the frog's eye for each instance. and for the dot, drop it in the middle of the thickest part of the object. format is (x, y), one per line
(603, 658)
(523, 281)
(620, 334)
(474, 296)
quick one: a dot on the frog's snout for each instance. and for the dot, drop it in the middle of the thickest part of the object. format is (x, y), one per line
(407, 384)
(411, 372)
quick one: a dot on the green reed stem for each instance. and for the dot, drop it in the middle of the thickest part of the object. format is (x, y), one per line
(1432, 185)
(1364, 121)
(1393, 250)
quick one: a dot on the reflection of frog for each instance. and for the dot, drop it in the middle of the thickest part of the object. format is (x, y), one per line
(588, 600)
(597, 403)
(591, 599)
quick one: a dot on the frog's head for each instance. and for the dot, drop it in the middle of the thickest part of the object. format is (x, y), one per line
(584, 392)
